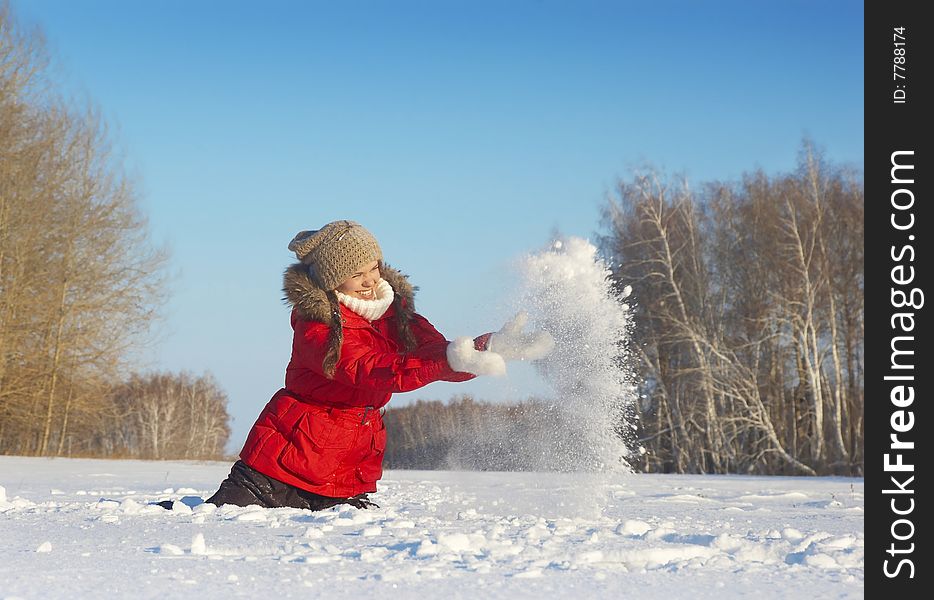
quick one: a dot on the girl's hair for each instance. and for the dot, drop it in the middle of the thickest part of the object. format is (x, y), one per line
(335, 336)
(403, 328)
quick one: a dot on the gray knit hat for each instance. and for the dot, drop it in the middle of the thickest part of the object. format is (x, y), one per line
(335, 251)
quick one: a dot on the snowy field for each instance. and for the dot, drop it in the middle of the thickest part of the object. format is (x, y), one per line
(84, 529)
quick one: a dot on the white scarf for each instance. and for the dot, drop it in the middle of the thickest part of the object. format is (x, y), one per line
(370, 309)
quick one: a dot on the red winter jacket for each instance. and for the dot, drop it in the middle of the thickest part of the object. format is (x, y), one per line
(326, 435)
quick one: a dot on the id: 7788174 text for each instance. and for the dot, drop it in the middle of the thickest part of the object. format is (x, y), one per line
(899, 66)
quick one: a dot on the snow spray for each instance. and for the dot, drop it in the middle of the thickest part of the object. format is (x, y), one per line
(566, 290)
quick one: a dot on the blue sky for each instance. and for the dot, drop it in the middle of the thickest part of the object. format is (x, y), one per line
(463, 134)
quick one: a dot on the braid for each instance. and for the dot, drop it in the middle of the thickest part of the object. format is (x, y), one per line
(403, 328)
(335, 337)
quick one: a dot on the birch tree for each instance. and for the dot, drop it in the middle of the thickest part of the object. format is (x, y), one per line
(748, 317)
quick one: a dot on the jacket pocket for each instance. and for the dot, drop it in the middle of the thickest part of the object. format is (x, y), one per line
(370, 469)
(318, 446)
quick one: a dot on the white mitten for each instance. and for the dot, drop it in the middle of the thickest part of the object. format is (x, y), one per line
(463, 357)
(512, 344)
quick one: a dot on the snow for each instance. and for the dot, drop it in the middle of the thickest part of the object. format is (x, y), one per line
(568, 292)
(73, 528)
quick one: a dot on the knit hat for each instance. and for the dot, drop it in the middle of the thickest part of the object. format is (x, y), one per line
(335, 251)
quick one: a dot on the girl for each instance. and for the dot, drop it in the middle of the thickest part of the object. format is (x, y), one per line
(320, 440)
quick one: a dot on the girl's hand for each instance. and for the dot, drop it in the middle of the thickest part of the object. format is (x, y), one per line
(465, 358)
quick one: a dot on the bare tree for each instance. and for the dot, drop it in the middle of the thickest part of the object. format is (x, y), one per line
(168, 415)
(749, 319)
(80, 281)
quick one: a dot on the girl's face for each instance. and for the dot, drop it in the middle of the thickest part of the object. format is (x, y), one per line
(362, 284)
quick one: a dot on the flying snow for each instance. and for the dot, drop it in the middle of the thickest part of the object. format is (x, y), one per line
(568, 292)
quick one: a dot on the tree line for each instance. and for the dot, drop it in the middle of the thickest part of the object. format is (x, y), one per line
(466, 434)
(749, 318)
(80, 283)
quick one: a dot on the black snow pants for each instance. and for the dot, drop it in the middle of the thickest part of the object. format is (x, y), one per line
(246, 486)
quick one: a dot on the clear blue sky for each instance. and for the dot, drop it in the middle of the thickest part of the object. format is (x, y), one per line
(461, 133)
